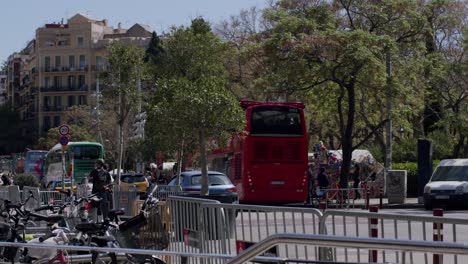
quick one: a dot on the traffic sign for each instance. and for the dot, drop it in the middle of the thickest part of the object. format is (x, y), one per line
(63, 140)
(64, 130)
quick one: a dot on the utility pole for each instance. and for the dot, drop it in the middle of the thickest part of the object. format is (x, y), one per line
(98, 113)
(388, 127)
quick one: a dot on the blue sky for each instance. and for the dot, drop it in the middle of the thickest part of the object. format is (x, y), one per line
(20, 18)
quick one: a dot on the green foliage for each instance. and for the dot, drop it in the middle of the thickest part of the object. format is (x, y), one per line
(405, 150)
(154, 50)
(442, 144)
(77, 133)
(26, 180)
(192, 105)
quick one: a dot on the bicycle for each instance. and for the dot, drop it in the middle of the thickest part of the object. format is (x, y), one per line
(127, 231)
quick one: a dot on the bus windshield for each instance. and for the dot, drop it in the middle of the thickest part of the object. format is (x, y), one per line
(86, 152)
(276, 121)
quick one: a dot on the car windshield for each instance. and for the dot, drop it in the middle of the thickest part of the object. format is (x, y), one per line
(450, 173)
(276, 120)
(213, 180)
(132, 179)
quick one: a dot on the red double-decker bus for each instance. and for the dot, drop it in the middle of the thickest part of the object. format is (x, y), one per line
(268, 163)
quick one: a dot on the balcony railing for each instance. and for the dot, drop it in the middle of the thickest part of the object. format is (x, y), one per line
(65, 69)
(65, 88)
(54, 108)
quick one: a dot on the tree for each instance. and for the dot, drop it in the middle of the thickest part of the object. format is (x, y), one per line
(336, 52)
(245, 64)
(446, 73)
(126, 67)
(193, 99)
(77, 133)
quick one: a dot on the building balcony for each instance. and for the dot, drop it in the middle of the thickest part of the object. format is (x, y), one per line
(54, 108)
(53, 89)
(99, 68)
(65, 69)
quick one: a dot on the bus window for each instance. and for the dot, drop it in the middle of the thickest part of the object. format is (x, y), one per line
(86, 152)
(276, 120)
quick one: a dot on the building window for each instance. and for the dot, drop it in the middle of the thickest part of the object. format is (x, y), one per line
(82, 100)
(56, 121)
(57, 82)
(71, 100)
(46, 82)
(46, 103)
(58, 62)
(99, 65)
(80, 41)
(71, 62)
(46, 123)
(81, 82)
(47, 63)
(82, 62)
(72, 82)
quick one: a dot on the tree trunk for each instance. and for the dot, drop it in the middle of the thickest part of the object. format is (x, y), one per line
(459, 146)
(347, 140)
(179, 166)
(204, 167)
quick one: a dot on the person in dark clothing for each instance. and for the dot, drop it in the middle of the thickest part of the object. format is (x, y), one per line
(322, 179)
(356, 180)
(101, 180)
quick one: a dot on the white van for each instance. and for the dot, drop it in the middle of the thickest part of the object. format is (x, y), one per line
(448, 184)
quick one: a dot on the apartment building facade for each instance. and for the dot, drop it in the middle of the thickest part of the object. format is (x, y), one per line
(3, 88)
(61, 67)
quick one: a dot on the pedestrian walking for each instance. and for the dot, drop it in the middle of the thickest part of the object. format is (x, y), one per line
(101, 179)
(356, 181)
(322, 179)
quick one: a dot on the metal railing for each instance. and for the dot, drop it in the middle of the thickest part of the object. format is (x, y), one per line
(164, 191)
(396, 226)
(403, 246)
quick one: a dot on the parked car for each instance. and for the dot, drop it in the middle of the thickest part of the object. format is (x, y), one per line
(137, 179)
(448, 184)
(219, 186)
(57, 185)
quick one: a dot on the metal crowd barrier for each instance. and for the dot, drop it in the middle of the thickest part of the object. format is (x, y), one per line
(207, 226)
(51, 197)
(396, 226)
(164, 191)
(125, 196)
(184, 225)
(11, 193)
(403, 246)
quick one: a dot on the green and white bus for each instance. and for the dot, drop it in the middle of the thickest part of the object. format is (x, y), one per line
(80, 158)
